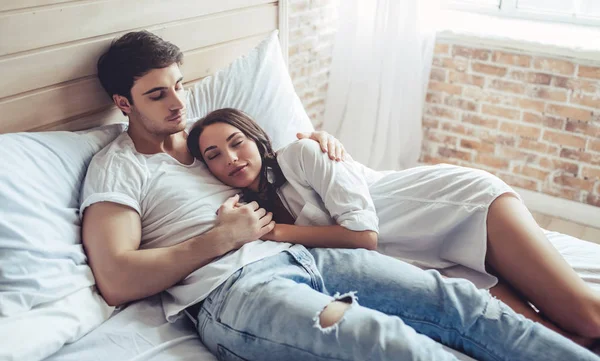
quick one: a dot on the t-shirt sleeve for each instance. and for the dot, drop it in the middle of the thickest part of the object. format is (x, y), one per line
(113, 178)
(342, 188)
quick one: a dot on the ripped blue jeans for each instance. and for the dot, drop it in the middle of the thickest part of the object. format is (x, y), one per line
(270, 309)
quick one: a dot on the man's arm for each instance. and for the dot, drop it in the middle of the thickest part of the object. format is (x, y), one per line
(123, 272)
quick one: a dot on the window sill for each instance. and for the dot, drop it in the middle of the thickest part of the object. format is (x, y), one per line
(575, 41)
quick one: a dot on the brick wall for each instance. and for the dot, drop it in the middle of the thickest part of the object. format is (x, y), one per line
(312, 28)
(532, 120)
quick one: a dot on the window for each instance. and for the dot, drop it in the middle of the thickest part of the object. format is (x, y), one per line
(583, 12)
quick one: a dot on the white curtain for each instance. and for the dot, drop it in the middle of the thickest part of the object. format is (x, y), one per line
(379, 74)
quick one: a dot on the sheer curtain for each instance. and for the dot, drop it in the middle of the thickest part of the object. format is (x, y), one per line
(379, 73)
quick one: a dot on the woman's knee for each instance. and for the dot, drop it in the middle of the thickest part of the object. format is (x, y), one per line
(587, 316)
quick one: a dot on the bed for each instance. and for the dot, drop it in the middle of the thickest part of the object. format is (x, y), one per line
(49, 306)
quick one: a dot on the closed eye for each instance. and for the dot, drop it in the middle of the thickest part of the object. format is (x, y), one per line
(162, 95)
(238, 143)
(213, 156)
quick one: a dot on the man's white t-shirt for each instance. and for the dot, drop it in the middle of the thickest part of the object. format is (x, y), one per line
(175, 202)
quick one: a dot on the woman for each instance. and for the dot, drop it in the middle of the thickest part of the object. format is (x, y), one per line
(435, 216)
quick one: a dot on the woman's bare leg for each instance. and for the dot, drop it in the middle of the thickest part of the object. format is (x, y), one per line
(522, 255)
(505, 293)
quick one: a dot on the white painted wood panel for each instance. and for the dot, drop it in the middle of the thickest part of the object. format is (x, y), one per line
(29, 71)
(21, 4)
(80, 20)
(53, 106)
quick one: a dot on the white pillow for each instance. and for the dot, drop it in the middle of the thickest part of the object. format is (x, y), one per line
(41, 255)
(258, 84)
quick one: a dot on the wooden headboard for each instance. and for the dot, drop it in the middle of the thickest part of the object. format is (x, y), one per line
(49, 50)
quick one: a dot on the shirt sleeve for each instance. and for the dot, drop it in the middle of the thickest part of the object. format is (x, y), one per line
(341, 186)
(112, 178)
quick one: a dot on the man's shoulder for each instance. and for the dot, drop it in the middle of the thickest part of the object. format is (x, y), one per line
(120, 150)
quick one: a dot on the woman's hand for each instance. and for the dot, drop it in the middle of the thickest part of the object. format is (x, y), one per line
(329, 144)
(272, 235)
(243, 223)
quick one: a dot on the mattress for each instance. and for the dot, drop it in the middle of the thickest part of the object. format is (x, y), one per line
(139, 331)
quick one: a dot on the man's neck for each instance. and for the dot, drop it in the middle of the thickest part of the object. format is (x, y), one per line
(173, 144)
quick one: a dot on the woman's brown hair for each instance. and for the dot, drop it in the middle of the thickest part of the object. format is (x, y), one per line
(240, 120)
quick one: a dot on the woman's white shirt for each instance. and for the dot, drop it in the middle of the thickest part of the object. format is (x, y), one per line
(320, 191)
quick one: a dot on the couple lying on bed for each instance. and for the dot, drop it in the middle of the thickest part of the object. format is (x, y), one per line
(291, 273)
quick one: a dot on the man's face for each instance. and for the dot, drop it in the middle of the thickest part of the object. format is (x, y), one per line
(158, 101)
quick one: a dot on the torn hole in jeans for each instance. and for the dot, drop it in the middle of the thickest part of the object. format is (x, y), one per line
(349, 298)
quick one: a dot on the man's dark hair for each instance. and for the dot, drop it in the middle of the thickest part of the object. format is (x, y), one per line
(132, 56)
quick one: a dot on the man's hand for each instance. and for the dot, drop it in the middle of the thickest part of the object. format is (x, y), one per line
(329, 144)
(243, 223)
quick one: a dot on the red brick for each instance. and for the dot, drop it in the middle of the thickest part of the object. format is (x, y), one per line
(520, 182)
(590, 173)
(577, 85)
(521, 130)
(438, 74)
(530, 77)
(507, 86)
(489, 69)
(581, 156)
(436, 136)
(442, 49)
(492, 161)
(512, 59)
(532, 172)
(533, 145)
(437, 111)
(564, 139)
(477, 145)
(570, 181)
(532, 118)
(569, 112)
(544, 93)
(556, 66)
(516, 154)
(445, 88)
(585, 128)
(453, 153)
(510, 140)
(434, 98)
(463, 51)
(593, 200)
(456, 128)
(547, 121)
(589, 72)
(554, 164)
(469, 79)
(478, 120)
(427, 159)
(486, 96)
(501, 112)
(460, 103)
(556, 123)
(565, 193)
(457, 64)
(532, 104)
(592, 101)
(594, 145)
(430, 123)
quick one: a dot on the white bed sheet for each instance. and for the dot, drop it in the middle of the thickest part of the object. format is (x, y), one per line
(139, 331)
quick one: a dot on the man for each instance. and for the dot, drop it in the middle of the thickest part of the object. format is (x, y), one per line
(148, 208)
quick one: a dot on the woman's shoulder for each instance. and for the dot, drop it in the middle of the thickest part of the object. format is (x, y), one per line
(302, 147)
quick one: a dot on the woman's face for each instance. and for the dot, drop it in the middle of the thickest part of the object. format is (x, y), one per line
(231, 156)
